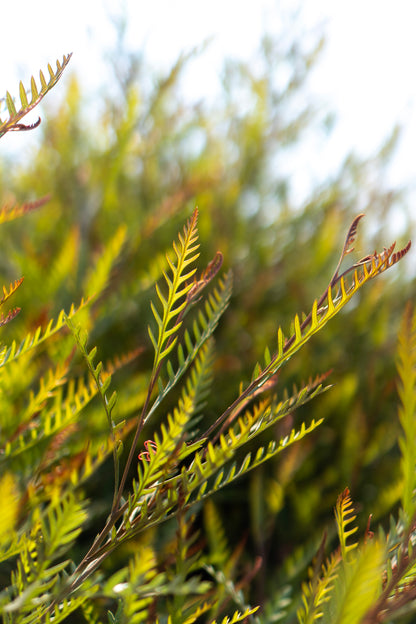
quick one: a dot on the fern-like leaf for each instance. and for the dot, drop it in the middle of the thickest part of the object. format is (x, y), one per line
(203, 327)
(169, 446)
(320, 314)
(132, 587)
(102, 382)
(357, 587)
(196, 481)
(169, 450)
(9, 212)
(237, 616)
(184, 574)
(17, 114)
(62, 609)
(316, 592)
(48, 384)
(32, 340)
(178, 286)
(266, 413)
(60, 526)
(29, 443)
(336, 296)
(344, 516)
(11, 314)
(8, 292)
(36, 576)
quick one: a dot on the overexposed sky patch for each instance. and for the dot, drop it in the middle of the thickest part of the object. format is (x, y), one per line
(365, 75)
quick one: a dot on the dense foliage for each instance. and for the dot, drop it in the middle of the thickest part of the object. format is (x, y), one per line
(74, 457)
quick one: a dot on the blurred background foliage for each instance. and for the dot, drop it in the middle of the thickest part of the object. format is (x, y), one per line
(145, 162)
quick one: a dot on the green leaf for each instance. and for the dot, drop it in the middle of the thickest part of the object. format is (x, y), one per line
(10, 105)
(358, 587)
(15, 116)
(23, 96)
(174, 304)
(344, 516)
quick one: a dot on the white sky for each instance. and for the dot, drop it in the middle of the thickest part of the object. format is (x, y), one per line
(365, 76)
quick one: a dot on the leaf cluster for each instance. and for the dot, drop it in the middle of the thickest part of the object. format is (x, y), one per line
(64, 430)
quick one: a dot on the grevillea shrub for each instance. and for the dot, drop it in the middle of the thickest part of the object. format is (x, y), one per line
(66, 433)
